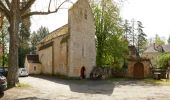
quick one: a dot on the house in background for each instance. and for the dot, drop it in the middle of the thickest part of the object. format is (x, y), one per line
(71, 47)
(154, 51)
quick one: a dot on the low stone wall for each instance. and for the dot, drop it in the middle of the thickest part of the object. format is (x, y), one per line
(107, 72)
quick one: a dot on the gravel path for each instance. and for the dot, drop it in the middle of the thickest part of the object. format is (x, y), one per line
(48, 88)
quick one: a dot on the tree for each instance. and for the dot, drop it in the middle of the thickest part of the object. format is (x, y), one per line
(36, 37)
(169, 40)
(109, 32)
(158, 40)
(24, 48)
(141, 38)
(15, 11)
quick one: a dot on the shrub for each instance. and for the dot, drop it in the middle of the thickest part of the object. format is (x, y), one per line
(163, 60)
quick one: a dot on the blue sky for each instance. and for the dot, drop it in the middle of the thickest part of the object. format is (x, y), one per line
(154, 14)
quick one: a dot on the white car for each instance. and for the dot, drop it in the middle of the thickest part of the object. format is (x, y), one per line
(23, 72)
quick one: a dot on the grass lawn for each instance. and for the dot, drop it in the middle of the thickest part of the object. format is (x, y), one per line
(23, 85)
(162, 82)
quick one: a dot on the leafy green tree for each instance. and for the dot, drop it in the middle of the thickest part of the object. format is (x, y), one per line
(158, 40)
(36, 37)
(110, 43)
(163, 60)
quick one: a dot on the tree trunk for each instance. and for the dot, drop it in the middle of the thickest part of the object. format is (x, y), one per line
(13, 46)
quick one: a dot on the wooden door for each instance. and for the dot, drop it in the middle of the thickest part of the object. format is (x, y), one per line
(138, 71)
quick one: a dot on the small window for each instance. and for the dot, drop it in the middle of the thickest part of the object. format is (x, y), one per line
(34, 68)
(85, 14)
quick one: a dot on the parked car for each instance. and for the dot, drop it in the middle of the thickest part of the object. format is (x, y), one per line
(3, 83)
(23, 72)
(4, 71)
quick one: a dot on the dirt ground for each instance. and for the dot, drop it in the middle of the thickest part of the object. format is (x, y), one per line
(52, 88)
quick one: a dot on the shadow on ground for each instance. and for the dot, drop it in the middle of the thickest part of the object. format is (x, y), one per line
(1, 95)
(83, 86)
(31, 98)
(94, 86)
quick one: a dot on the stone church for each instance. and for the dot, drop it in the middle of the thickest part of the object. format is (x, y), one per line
(69, 48)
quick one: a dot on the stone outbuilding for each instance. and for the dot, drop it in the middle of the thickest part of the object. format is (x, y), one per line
(33, 64)
(68, 49)
(138, 67)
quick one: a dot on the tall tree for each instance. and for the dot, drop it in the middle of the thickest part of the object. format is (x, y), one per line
(36, 37)
(109, 33)
(24, 48)
(15, 11)
(141, 38)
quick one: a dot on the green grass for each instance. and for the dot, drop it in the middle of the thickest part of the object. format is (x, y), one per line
(162, 82)
(23, 85)
(118, 79)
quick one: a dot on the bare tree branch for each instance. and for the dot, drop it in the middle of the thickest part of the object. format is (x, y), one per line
(3, 6)
(4, 10)
(43, 12)
(49, 5)
(8, 3)
(27, 6)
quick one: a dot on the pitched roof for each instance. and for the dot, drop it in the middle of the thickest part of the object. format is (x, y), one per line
(33, 58)
(166, 48)
(56, 33)
(150, 49)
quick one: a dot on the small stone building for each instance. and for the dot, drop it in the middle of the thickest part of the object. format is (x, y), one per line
(71, 47)
(138, 67)
(33, 64)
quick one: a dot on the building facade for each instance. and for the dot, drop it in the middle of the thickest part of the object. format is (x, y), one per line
(69, 48)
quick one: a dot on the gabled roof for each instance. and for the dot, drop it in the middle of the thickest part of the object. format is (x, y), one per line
(56, 33)
(164, 48)
(33, 58)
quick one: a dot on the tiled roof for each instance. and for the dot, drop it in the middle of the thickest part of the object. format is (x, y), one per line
(56, 33)
(33, 58)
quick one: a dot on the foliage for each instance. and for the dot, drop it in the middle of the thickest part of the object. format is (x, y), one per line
(158, 40)
(110, 44)
(169, 40)
(23, 85)
(37, 36)
(141, 38)
(4, 41)
(163, 60)
(23, 49)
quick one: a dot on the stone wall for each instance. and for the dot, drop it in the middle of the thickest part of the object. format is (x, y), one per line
(82, 51)
(60, 56)
(45, 57)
